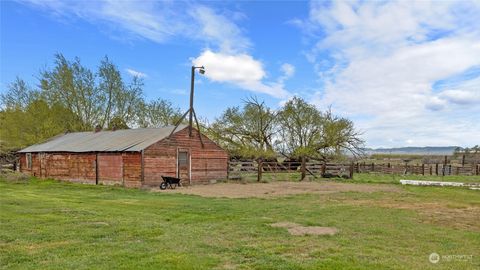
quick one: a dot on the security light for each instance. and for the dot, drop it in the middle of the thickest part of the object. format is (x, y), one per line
(202, 70)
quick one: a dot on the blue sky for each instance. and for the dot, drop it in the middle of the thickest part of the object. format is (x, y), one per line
(407, 73)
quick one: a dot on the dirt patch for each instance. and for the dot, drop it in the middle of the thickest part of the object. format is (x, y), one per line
(262, 190)
(284, 225)
(297, 229)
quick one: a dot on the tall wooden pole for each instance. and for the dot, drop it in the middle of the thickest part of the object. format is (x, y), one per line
(190, 119)
(191, 111)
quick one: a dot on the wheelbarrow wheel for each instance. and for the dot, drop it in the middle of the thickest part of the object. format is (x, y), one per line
(163, 186)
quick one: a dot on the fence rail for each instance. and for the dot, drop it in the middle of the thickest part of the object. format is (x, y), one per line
(242, 169)
(423, 169)
(238, 169)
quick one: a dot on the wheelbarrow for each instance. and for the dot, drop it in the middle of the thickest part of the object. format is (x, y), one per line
(171, 182)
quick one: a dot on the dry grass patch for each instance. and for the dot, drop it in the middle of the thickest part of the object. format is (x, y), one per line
(458, 216)
(275, 189)
(297, 229)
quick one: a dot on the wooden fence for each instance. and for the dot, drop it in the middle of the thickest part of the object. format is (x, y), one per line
(423, 169)
(283, 170)
(243, 169)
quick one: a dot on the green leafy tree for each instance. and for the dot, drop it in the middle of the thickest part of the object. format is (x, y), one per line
(19, 95)
(158, 113)
(73, 85)
(117, 123)
(38, 122)
(337, 136)
(95, 98)
(246, 132)
(71, 98)
(121, 101)
(300, 129)
(307, 133)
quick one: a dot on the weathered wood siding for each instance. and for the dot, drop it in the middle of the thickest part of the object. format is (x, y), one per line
(208, 163)
(125, 168)
(113, 168)
(75, 167)
(110, 168)
(132, 169)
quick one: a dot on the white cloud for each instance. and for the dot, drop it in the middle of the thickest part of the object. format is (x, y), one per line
(461, 96)
(288, 70)
(220, 30)
(136, 73)
(436, 104)
(226, 67)
(240, 69)
(379, 62)
(163, 20)
(157, 21)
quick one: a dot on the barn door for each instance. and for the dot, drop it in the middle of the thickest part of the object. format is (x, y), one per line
(183, 165)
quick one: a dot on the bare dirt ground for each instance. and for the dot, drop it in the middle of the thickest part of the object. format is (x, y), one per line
(262, 190)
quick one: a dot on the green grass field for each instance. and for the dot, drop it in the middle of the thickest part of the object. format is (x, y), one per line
(56, 225)
(395, 178)
(359, 178)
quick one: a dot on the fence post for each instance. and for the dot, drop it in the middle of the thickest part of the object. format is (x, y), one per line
(436, 168)
(351, 170)
(430, 169)
(423, 168)
(373, 167)
(260, 169)
(228, 170)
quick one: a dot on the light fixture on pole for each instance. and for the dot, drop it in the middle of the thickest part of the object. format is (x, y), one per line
(191, 110)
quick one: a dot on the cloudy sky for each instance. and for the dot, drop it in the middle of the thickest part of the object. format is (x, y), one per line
(407, 73)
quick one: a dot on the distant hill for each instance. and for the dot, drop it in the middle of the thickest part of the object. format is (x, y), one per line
(427, 150)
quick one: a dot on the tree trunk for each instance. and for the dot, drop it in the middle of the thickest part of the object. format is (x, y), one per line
(303, 169)
(260, 169)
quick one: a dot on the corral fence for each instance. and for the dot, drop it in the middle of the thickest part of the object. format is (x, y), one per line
(287, 170)
(8, 161)
(423, 169)
(241, 170)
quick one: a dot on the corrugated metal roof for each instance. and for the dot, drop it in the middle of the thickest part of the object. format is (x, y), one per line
(104, 141)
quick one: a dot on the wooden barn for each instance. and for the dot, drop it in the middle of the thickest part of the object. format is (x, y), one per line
(131, 158)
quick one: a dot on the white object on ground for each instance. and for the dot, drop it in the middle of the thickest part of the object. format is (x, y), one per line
(438, 183)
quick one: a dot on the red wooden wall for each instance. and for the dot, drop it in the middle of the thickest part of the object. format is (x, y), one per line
(207, 163)
(125, 168)
(113, 168)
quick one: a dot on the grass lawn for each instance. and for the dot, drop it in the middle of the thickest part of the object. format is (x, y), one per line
(359, 177)
(395, 178)
(55, 225)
